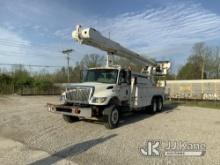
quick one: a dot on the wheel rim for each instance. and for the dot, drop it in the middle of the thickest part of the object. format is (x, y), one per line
(114, 116)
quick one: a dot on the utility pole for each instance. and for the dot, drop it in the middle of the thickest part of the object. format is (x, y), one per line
(203, 68)
(67, 55)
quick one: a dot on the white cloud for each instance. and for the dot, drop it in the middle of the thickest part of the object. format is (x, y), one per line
(161, 31)
(158, 32)
(63, 33)
(8, 26)
(14, 49)
(11, 43)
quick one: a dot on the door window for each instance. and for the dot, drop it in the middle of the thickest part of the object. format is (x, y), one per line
(122, 77)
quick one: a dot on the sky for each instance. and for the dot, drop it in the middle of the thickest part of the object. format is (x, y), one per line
(36, 31)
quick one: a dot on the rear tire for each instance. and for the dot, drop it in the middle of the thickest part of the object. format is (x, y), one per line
(112, 120)
(159, 104)
(153, 107)
(70, 119)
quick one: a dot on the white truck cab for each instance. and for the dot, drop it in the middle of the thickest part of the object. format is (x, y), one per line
(106, 92)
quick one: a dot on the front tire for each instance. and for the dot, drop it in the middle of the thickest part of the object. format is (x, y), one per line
(112, 119)
(70, 119)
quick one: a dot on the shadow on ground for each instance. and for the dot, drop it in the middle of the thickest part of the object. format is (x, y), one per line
(71, 151)
(132, 117)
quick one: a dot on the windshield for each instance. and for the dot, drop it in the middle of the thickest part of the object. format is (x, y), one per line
(101, 75)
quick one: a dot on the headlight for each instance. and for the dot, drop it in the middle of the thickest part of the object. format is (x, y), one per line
(99, 99)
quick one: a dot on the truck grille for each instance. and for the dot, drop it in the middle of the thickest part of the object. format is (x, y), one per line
(79, 95)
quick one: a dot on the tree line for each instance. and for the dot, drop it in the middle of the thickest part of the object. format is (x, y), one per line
(19, 77)
(203, 63)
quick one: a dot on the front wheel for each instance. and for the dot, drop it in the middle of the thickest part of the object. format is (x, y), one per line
(112, 119)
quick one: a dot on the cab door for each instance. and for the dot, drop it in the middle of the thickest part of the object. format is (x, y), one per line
(124, 87)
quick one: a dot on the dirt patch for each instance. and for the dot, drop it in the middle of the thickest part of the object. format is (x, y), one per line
(31, 134)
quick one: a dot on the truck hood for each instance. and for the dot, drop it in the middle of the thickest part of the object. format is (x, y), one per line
(98, 86)
(101, 90)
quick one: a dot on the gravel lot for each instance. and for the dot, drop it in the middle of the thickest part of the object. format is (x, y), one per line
(31, 135)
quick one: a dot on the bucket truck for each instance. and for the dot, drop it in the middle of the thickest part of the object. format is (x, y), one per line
(106, 92)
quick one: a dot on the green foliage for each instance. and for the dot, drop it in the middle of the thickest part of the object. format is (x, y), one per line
(188, 71)
(196, 103)
(170, 76)
(42, 84)
(5, 79)
(6, 84)
(19, 79)
(204, 63)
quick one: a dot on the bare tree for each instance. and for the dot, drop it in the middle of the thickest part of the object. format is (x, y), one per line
(199, 57)
(92, 60)
(204, 63)
(217, 62)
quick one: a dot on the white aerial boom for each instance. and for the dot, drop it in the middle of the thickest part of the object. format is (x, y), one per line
(92, 37)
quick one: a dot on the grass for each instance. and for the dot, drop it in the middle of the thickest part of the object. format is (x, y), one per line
(195, 103)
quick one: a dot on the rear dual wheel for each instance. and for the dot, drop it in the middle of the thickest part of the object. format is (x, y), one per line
(159, 104)
(156, 105)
